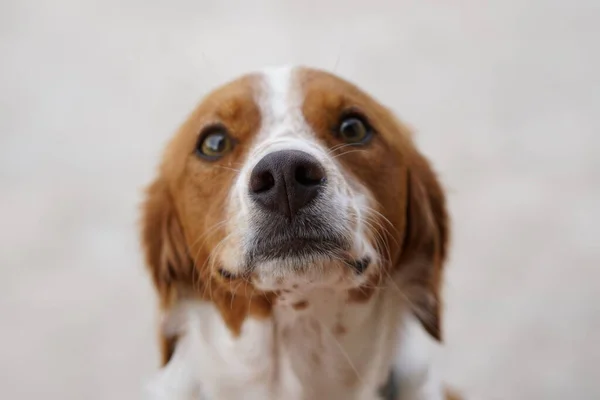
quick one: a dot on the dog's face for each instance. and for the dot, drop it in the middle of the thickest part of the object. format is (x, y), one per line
(303, 207)
(295, 178)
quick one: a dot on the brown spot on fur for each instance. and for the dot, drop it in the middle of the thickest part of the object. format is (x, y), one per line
(365, 292)
(295, 286)
(339, 329)
(350, 379)
(360, 295)
(236, 306)
(315, 358)
(315, 325)
(301, 305)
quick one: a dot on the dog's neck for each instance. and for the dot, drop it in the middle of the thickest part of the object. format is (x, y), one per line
(337, 348)
(316, 345)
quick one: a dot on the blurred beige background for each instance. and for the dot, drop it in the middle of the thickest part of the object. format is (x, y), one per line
(505, 96)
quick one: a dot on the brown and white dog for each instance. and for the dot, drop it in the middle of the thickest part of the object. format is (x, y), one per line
(296, 238)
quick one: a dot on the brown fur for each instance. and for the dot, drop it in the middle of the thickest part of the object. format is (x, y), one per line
(301, 305)
(413, 223)
(185, 203)
(339, 329)
(450, 395)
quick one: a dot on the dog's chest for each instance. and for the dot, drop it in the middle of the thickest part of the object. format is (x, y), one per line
(329, 348)
(313, 347)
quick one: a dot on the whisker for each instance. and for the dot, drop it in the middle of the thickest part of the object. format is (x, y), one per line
(209, 231)
(339, 147)
(348, 152)
(211, 260)
(233, 293)
(342, 350)
(228, 168)
(337, 60)
(405, 296)
(372, 210)
(379, 239)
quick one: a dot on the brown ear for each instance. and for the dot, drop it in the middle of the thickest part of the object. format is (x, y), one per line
(425, 244)
(166, 252)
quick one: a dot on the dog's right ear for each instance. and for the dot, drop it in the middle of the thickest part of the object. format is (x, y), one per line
(166, 253)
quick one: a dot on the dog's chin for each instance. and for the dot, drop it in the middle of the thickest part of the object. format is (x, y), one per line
(298, 273)
(310, 270)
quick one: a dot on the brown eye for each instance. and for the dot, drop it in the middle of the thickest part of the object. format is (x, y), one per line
(214, 144)
(354, 130)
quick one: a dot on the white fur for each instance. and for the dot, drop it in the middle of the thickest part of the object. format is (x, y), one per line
(276, 358)
(415, 363)
(264, 363)
(210, 363)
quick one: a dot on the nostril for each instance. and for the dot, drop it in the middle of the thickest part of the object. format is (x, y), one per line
(284, 181)
(309, 175)
(261, 181)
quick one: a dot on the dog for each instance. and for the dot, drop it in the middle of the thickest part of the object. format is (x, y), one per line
(296, 239)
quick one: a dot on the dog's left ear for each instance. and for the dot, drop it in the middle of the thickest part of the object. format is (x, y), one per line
(425, 244)
(166, 253)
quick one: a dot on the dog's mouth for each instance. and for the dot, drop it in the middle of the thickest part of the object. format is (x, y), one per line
(297, 250)
(302, 260)
(308, 237)
(357, 265)
(303, 254)
(318, 245)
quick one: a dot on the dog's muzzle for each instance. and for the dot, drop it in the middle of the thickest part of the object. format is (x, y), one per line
(292, 216)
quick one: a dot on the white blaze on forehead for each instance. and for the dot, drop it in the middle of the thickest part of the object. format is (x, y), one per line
(283, 125)
(277, 94)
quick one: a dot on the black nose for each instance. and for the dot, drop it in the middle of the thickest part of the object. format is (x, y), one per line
(285, 181)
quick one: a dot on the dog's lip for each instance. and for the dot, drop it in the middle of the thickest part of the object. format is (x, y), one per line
(300, 244)
(297, 248)
(358, 265)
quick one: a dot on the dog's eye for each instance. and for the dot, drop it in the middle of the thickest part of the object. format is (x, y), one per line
(354, 130)
(214, 143)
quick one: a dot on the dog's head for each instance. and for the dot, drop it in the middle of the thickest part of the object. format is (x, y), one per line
(294, 178)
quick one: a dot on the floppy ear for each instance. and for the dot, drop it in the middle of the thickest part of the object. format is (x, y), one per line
(165, 251)
(425, 243)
